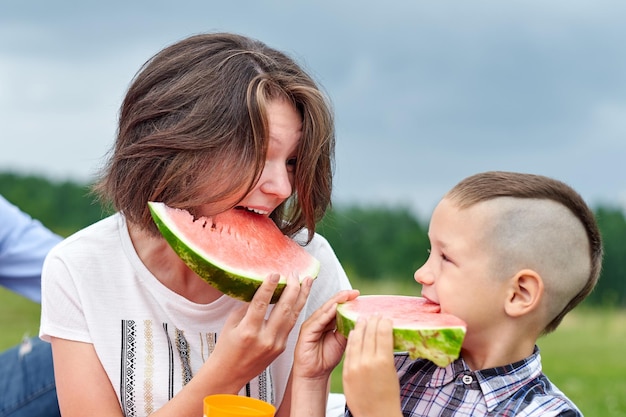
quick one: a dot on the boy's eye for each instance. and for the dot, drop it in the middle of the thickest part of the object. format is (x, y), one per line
(444, 257)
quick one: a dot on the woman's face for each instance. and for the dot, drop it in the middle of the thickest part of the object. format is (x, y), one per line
(276, 182)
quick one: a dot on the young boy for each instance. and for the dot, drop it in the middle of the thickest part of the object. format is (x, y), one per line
(510, 254)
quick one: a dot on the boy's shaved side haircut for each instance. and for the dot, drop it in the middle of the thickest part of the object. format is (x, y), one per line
(495, 184)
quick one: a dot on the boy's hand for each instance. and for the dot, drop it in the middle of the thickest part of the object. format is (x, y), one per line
(370, 380)
(318, 351)
(319, 347)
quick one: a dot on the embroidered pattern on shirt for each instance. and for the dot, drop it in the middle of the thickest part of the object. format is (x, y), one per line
(127, 383)
(148, 381)
(183, 353)
(211, 339)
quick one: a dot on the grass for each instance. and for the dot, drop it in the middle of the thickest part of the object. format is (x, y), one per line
(18, 317)
(584, 357)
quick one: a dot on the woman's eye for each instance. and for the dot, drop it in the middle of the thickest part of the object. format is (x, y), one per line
(291, 164)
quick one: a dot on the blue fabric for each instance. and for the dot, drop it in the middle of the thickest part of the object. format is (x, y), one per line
(24, 243)
(27, 386)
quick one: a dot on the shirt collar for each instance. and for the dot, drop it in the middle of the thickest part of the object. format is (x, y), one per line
(497, 384)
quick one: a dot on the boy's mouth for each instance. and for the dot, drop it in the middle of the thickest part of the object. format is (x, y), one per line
(431, 305)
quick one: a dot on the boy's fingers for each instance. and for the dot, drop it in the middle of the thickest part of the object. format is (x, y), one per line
(345, 295)
(355, 343)
(370, 336)
(323, 318)
(385, 335)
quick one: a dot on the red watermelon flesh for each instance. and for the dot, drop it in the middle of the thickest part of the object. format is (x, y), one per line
(233, 251)
(418, 326)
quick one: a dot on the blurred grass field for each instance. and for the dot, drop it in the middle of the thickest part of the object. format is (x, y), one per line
(584, 357)
(18, 317)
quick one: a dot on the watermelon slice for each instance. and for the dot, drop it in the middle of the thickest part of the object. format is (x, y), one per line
(418, 326)
(233, 251)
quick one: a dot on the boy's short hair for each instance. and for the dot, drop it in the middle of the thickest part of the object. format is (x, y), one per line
(543, 212)
(193, 131)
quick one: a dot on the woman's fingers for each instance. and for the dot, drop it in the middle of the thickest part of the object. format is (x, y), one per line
(286, 311)
(257, 308)
(274, 328)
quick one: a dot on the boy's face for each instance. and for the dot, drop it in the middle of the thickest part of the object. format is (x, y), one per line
(458, 274)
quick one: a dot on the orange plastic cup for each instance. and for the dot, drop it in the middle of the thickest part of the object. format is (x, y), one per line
(229, 405)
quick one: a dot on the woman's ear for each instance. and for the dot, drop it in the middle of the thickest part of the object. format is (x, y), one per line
(525, 293)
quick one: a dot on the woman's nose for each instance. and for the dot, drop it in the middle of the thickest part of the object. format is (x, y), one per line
(277, 181)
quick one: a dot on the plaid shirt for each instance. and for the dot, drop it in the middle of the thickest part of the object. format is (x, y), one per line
(518, 389)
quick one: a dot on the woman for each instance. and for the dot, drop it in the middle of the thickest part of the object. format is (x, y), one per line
(212, 123)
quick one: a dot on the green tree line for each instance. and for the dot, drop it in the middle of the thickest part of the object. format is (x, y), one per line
(373, 243)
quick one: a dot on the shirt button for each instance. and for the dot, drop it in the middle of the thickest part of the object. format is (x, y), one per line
(467, 379)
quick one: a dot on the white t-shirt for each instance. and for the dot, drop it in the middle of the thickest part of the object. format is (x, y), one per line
(149, 339)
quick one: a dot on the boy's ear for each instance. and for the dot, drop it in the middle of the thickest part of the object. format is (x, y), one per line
(525, 293)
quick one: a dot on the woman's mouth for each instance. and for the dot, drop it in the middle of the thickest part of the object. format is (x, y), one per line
(253, 210)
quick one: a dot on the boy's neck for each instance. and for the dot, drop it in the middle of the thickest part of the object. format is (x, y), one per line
(497, 351)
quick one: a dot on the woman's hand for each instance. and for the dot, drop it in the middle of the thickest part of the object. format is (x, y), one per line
(251, 339)
(370, 380)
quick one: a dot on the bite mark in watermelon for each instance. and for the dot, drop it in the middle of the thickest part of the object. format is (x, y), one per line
(233, 251)
(418, 326)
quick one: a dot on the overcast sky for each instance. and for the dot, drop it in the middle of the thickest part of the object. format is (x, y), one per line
(425, 92)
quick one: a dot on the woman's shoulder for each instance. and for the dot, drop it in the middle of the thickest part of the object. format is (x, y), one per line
(331, 274)
(317, 244)
(93, 237)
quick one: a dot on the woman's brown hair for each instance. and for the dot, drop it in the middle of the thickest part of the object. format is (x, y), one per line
(193, 131)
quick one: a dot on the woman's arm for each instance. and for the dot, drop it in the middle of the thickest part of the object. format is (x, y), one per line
(83, 387)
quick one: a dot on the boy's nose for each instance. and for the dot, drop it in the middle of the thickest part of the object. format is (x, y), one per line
(423, 276)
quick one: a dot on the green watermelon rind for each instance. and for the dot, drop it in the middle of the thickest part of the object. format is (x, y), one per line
(230, 283)
(439, 345)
